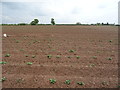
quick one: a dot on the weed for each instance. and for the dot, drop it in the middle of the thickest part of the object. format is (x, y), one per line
(3, 79)
(7, 55)
(49, 56)
(29, 63)
(80, 83)
(52, 81)
(3, 62)
(67, 82)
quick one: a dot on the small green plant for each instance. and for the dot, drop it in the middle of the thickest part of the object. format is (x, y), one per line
(3, 79)
(26, 55)
(80, 83)
(52, 81)
(36, 41)
(7, 55)
(100, 40)
(104, 83)
(98, 51)
(109, 58)
(53, 49)
(77, 57)
(29, 63)
(19, 80)
(33, 56)
(17, 41)
(21, 49)
(71, 50)
(110, 40)
(67, 82)
(58, 56)
(118, 86)
(69, 56)
(94, 57)
(3, 62)
(49, 56)
(92, 65)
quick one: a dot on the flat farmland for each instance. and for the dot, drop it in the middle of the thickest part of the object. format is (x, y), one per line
(60, 56)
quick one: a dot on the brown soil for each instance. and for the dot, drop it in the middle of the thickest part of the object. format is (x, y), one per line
(87, 41)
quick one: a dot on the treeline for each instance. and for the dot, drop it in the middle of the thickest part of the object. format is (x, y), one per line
(25, 24)
(35, 22)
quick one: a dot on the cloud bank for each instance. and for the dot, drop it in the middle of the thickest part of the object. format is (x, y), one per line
(63, 11)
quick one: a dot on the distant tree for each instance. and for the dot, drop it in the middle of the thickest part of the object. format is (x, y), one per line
(107, 23)
(102, 23)
(52, 21)
(78, 23)
(98, 23)
(35, 22)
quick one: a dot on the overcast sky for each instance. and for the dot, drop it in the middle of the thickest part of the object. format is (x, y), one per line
(63, 11)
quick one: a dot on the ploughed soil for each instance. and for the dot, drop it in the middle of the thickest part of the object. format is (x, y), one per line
(87, 54)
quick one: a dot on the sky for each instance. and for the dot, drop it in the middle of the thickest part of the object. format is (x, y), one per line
(63, 11)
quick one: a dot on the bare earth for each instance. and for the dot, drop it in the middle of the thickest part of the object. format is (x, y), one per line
(35, 43)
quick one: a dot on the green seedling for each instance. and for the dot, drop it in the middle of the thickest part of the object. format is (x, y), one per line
(67, 82)
(92, 65)
(94, 57)
(77, 57)
(98, 51)
(33, 56)
(118, 86)
(109, 58)
(7, 55)
(3, 79)
(52, 81)
(38, 41)
(110, 40)
(29, 63)
(21, 49)
(26, 55)
(81, 83)
(49, 56)
(17, 41)
(104, 83)
(100, 40)
(53, 49)
(19, 80)
(3, 62)
(58, 56)
(34, 41)
(69, 56)
(71, 50)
